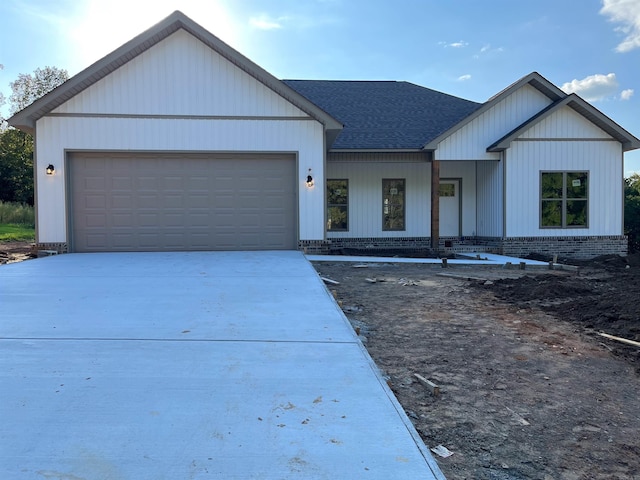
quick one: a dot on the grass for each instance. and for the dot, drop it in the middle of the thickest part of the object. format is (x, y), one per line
(17, 222)
(16, 233)
(17, 213)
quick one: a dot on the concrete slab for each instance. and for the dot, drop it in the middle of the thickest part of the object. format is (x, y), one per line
(470, 259)
(190, 365)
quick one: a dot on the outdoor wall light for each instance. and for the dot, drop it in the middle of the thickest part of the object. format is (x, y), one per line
(309, 180)
(50, 169)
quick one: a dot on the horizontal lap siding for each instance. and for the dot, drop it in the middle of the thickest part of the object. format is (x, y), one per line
(156, 202)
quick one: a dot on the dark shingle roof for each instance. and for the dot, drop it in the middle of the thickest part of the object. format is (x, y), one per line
(384, 114)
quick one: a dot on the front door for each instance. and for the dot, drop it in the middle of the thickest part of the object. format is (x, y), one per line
(450, 208)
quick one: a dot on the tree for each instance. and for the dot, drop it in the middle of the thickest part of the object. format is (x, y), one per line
(3, 123)
(632, 211)
(16, 147)
(16, 166)
(30, 87)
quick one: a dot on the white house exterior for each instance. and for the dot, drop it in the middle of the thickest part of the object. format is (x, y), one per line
(177, 142)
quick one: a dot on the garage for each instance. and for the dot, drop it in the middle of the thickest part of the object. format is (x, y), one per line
(181, 201)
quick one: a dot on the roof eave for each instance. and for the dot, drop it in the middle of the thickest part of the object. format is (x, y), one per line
(26, 118)
(376, 150)
(580, 106)
(534, 79)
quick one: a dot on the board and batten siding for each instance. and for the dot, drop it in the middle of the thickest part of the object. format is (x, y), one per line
(56, 135)
(471, 141)
(180, 75)
(489, 199)
(526, 159)
(565, 123)
(365, 172)
(178, 96)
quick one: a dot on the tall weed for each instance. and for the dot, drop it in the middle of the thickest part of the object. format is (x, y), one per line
(17, 213)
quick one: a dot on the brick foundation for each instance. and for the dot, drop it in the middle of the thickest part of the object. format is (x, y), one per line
(568, 247)
(314, 247)
(58, 247)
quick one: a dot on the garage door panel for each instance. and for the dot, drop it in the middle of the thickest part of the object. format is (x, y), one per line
(149, 202)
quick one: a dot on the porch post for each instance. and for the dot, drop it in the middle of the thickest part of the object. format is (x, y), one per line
(435, 204)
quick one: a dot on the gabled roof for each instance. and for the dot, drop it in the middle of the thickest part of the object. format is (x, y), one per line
(26, 118)
(588, 111)
(385, 115)
(534, 79)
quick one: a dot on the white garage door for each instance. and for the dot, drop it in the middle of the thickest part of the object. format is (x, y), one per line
(157, 202)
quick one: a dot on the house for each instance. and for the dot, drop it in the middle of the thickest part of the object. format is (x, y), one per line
(175, 141)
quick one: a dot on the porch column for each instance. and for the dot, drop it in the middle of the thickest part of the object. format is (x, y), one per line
(435, 204)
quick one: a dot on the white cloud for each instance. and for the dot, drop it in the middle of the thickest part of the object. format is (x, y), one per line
(460, 44)
(485, 48)
(594, 87)
(627, 14)
(462, 78)
(264, 22)
(626, 94)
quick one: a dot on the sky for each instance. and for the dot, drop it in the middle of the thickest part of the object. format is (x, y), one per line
(468, 48)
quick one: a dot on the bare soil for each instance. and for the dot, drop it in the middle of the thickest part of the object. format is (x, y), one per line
(528, 390)
(11, 252)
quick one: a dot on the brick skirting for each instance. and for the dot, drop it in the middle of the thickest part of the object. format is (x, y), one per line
(58, 247)
(568, 247)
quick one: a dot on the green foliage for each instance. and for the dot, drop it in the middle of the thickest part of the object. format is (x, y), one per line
(16, 166)
(16, 233)
(17, 213)
(29, 87)
(16, 147)
(632, 211)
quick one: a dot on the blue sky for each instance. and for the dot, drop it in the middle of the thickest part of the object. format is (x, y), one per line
(468, 48)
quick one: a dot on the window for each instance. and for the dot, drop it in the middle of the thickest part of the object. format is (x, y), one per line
(447, 190)
(337, 205)
(563, 197)
(393, 204)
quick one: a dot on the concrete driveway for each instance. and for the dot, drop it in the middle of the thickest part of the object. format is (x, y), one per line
(230, 365)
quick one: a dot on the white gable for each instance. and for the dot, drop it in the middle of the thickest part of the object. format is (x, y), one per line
(180, 75)
(471, 141)
(565, 123)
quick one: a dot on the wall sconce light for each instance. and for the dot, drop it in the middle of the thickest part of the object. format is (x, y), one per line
(309, 179)
(50, 169)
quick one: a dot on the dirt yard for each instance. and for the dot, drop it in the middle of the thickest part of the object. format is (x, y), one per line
(11, 252)
(528, 390)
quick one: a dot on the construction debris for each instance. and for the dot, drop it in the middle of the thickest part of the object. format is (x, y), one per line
(619, 339)
(441, 451)
(435, 389)
(461, 276)
(329, 281)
